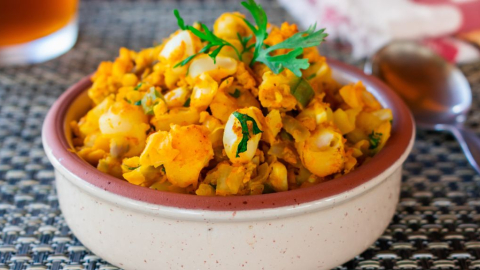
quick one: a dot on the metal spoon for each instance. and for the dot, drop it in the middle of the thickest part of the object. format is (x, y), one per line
(437, 92)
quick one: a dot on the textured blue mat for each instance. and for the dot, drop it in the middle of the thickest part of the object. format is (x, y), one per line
(436, 225)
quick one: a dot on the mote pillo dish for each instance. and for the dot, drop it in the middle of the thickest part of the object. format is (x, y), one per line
(246, 108)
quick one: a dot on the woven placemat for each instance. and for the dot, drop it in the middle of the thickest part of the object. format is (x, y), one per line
(436, 225)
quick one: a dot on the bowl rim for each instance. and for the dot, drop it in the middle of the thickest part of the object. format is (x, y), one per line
(403, 130)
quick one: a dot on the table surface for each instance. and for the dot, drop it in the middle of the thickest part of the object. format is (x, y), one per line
(436, 225)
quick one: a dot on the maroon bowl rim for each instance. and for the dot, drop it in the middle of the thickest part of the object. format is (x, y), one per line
(402, 134)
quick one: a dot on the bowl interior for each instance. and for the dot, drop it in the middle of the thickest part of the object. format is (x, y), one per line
(78, 108)
(74, 103)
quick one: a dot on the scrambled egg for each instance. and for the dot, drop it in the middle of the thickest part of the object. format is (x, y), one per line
(225, 126)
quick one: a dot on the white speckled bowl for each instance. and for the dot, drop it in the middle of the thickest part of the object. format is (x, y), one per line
(318, 227)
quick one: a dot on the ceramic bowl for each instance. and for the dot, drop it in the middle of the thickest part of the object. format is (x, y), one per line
(318, 227)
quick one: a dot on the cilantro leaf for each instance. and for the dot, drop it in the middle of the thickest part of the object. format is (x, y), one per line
(262, 53)
(243, 118)
(188, 59)
(244, 41)
(374, 139)
(311, 76)
(206, 35)
(185, 61)
(180, 21)
(260, 32)
(297, 42)
(304, 39)
(289, 60)
(242, 146)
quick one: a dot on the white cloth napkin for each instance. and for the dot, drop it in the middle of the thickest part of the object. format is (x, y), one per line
(370, 24)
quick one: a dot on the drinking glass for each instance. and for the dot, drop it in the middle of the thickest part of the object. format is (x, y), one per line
(33, 31)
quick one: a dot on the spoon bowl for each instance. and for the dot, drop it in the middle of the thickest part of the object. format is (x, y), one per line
(437, 92)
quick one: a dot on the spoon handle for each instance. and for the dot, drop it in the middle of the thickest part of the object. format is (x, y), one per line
(470, 144)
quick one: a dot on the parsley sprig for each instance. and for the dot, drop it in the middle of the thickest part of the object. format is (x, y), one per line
(262, 53)
(260, 32)
(290, 60)
(243, 118)
(213, 42)
(297, 42)
(244, 41)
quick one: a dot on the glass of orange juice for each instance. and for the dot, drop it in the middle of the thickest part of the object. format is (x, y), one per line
(33, 31)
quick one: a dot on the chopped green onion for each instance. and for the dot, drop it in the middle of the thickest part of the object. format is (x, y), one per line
(268, 188)
(187, 103)
(285, 136)
(149, 100)
(374, 139)
(302, 91)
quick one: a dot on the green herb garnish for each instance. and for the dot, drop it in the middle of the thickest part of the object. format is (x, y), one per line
(187, 103)
(132, 168)
(374, 139)
(188, 59)
(235, 94)
(262, 52)
(137, 103)
(137, 87)
(244, 41)
(243, 118)
(297, 42)
(260, 32)
(213, 42)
